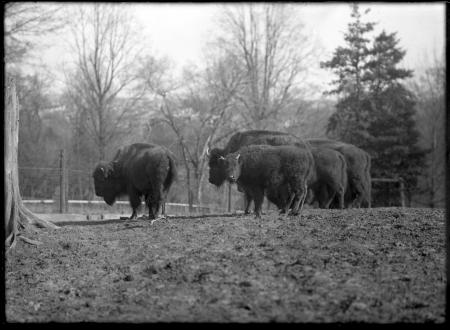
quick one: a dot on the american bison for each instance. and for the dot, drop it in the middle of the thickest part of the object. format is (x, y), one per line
(137, 170)
(327, 165)
(241, 139)
(330, 177)
(259, 168)
(358, 170)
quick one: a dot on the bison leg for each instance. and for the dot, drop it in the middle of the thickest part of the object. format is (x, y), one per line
(156, 208)
(151, 211)
(153, 207)
(310, 196)
(247, 202)
(155, 200)
(360, 192)
(288, 204)
(135, 202)
(258, 199)
(297, 209)
(341, 196)
(327, 197)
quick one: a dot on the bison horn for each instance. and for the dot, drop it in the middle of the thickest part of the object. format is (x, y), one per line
(237, 157)
(222, 157)
(207, 152)
(105, 173)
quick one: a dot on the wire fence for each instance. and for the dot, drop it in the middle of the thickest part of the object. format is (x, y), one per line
(60, 188)
(45, 183)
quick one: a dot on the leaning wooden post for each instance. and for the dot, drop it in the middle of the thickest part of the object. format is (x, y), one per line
(402, 191)
(17, 217)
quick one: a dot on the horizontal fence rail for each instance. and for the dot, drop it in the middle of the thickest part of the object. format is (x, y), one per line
(60, 182)
(97, 206)
(401, 183)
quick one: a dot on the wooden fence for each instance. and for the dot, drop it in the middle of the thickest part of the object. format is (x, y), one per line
(97, 206)
(401, 183)
(62, 204)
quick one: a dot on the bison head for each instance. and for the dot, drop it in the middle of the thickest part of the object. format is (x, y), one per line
(105, 182)
(216, 163)
(232, 167)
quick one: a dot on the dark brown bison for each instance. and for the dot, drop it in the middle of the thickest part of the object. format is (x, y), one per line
(217, 175)
(137, 170)
(330, 177)
(358, 170)
(328, 165)
(259, 168)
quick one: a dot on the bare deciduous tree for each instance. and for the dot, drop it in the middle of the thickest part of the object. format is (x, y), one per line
(211, 99)
(24, 21)
(102, 85)
(273, 51)
(430, 91)
(196, 113)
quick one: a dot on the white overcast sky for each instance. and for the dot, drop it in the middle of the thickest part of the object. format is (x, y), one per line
(180, 31)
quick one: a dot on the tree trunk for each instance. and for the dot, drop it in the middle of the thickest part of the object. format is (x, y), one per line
(17, 216)
(189, 187)
(201, 180)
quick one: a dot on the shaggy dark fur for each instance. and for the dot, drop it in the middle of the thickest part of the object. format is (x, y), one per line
(330, 178)
(137, 170)
(325, 165)
(358, 171)
(257, 168)
(245, 138)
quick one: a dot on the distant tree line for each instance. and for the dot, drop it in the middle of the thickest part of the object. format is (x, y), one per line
(117, 93)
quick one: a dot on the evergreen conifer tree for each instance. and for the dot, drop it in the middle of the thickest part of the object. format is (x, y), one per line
(394, 137)
(375, 111)
(349, 63)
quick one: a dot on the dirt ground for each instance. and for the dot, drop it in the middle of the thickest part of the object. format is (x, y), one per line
(379, 265)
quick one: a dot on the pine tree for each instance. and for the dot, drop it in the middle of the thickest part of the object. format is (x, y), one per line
(349, 63)
(394, 137)
(375, 111)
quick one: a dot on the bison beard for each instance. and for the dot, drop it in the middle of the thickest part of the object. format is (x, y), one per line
(280, 173)
(138, 170)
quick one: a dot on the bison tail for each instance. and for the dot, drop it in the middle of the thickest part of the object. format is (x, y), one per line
(172, 173)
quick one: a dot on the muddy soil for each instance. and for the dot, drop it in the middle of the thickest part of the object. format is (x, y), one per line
(379, 265)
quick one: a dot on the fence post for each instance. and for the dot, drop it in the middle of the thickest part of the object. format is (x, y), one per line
(402, 192)
(62, 186)
(229, 197)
